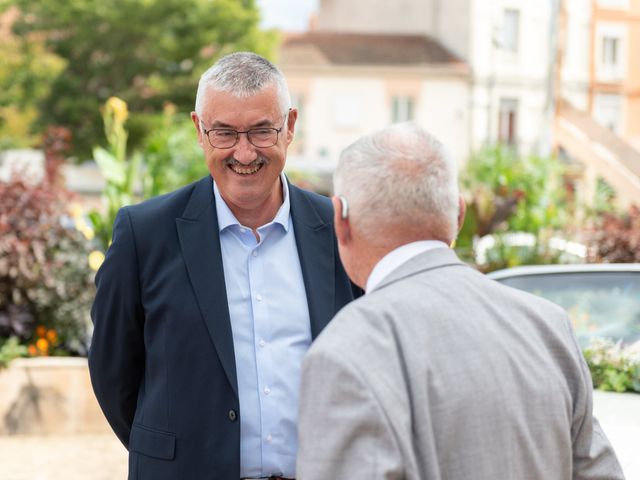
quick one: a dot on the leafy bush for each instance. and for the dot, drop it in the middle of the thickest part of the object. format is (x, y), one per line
(170, 159)
(614, 367)
(508, 193)
(615, 238)
(45, 278)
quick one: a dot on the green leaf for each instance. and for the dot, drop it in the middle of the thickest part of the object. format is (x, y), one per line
(112, 170)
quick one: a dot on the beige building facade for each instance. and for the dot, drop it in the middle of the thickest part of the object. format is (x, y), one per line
(349, 84)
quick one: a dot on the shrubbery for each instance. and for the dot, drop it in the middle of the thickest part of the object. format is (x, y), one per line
(46, 283)
(615, 238)
(614, 367)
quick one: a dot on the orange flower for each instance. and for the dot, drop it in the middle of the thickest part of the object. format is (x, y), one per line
(43, 345)
(41, 331)
(52, 336)
(32, 350)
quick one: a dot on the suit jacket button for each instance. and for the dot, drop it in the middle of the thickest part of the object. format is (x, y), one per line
(232, 415)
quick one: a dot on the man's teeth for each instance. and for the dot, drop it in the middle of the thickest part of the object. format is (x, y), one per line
(245, 170)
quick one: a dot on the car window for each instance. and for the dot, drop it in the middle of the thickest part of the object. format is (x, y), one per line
(600, 304)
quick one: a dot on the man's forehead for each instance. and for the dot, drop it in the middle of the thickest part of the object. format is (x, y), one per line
(225, 107)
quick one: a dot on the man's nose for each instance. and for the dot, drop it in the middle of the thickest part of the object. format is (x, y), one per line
(244, 151)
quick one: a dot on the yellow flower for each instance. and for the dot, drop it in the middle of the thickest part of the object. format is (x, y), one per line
(43, 345)
(52, 336)
(83, 227)
(75, 210)
(119, 109)
(32, 350)
(95, 260)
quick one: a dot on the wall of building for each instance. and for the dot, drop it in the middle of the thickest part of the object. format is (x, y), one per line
(375, 16)
(342, 104)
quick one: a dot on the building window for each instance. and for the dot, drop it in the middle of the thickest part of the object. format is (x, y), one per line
(510, 30)
(507, 121)
(402, 109)
(610, 52)
(607, 111)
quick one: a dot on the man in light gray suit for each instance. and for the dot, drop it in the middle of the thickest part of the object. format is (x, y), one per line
(437, 372)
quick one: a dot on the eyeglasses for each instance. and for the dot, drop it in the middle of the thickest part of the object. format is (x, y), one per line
(261, 137)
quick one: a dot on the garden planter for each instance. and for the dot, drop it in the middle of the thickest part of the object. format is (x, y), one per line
(46, 395)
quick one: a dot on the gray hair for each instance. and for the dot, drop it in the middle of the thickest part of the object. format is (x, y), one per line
(243, 74)
(399, 176)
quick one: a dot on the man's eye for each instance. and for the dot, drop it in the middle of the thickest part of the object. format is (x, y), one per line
(224, 133)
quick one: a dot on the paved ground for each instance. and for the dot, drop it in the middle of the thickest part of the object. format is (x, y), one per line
(55, 457)
(102, 457)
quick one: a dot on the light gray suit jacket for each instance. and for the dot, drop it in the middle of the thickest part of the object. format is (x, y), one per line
(441, 373)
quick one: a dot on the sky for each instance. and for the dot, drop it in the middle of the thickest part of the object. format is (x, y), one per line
(287, 15)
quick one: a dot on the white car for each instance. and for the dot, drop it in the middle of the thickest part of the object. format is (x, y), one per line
(603, 300)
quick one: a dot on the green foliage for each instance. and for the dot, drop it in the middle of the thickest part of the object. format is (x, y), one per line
(509, 193)
(27, 70)
(11, 348)
(147, 52)
(120, 172)
(614, 367)
(45, 279)
(172, 156)
(170, 159)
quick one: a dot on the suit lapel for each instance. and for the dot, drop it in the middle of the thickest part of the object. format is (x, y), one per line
(200, 244)
(314, 240)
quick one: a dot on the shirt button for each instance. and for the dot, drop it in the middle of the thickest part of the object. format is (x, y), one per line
(262, 343)
(232, 415)
(267, 390)
(259, 297)
(269, 438)
(254, 253)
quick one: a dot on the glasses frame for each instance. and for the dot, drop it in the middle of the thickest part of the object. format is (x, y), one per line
(246, 132)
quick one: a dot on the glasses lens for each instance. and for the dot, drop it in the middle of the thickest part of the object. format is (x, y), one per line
(222, 138)
(263, 137)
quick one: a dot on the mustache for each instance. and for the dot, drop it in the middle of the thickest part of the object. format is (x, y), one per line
(261, 160)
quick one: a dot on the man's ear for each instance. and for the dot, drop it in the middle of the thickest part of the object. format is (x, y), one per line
(462, 209)
(341, 219)
(196, 122)
(291, 124)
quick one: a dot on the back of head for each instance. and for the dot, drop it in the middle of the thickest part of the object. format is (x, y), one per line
(399, 180)
(242, 74)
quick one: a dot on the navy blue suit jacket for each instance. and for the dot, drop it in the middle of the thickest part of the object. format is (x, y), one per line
(161, 360)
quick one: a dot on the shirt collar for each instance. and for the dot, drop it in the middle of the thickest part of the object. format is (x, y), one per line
(226, 218)
(397, 257)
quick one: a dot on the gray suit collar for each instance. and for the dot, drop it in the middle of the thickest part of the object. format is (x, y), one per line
(429, 260)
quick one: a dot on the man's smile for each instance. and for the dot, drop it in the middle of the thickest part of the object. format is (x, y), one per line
(250, 169)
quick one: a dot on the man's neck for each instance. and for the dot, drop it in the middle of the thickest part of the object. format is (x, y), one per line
(260, 214)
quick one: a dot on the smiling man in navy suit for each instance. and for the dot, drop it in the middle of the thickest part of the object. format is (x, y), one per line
(210, 296)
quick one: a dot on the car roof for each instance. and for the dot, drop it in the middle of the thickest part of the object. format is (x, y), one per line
(567, 268)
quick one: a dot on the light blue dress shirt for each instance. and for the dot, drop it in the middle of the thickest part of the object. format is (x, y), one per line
(271, 333)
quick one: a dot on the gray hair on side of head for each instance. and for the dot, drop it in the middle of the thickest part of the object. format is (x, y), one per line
(400, 175)
(243, 74)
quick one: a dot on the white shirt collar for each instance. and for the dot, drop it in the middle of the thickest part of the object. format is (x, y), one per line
(397, 257)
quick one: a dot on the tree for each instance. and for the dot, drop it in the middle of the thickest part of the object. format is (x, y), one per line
(146, 52)
(26, 71)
